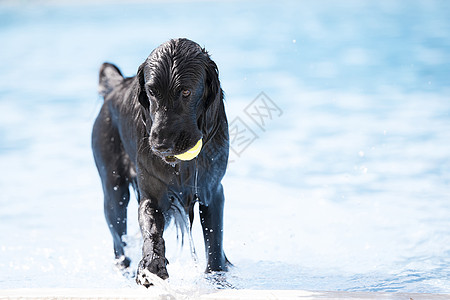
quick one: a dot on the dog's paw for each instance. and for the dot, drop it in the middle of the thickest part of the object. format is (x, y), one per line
(122, 266)
(122, 262)
(148, 279)
(152, 271)
(219, 280)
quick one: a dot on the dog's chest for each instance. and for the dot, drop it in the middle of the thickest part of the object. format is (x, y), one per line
(183, 185)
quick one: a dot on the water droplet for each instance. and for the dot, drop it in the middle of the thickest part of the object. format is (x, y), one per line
(116, 187)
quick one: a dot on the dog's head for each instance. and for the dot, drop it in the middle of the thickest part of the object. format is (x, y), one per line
(179, 91)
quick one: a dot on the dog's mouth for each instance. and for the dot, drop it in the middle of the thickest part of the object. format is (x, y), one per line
(170, 159)
(187, 155)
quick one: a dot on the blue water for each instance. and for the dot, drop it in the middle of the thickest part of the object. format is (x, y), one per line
(345, 188)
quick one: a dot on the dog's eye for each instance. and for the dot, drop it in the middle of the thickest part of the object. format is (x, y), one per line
(185, 93)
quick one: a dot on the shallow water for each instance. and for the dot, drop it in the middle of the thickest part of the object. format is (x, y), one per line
(344, 187)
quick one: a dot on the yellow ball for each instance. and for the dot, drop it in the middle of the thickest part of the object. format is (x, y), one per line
(191, 153)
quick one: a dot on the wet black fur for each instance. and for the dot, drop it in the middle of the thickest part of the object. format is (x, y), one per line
(144, 121)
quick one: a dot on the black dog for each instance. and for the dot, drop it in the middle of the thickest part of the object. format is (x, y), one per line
(146, 120)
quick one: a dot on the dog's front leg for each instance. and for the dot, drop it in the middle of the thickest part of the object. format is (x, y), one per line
(151, 221)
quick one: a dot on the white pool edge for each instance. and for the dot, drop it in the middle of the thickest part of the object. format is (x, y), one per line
(214, 295)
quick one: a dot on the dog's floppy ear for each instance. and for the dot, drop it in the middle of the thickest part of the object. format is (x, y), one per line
(213, 90)
(141, 93)
(213, 100)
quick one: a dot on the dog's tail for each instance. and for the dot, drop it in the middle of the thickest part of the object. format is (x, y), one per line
(109, 77)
